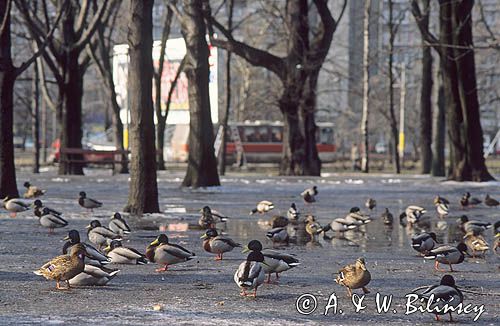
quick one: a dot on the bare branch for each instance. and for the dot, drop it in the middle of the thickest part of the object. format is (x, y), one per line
(172, 88)
(87, 34)
(6, 16)
(41, 48)
(82, 17)
(43, 83)
(253, 55)
(421, 24)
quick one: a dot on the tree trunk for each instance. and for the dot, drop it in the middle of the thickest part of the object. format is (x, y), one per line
(160, 143)
(464, 128)
(392, 114)
(71, 131)
(143, 190)
(366, 87)
(439, 133)
(35, 120)
(118, 129)
(8, 186)
(312, 162)
(202, 165)
(222, 161)
(426, 98)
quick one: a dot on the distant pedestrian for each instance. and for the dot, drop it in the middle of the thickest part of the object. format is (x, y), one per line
(355, 157)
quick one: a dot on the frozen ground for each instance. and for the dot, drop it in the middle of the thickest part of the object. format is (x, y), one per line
(203, 292)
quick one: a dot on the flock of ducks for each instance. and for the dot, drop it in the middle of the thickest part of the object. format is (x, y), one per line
(83, 264)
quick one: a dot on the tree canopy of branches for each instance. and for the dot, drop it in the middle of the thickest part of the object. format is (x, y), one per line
(8, 76)
(298, 71)
(456, 52)
(67, 60)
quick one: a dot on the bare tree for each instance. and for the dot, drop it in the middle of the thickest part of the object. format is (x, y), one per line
(143, 189)
(393, 28)
(438, 168)
(426, 96)
(161, 118)
(99, 50)
(366, 87)
(8, 76)
(301, 61)
(225, 119)
(202, 164)
(456, 52)
(67, 64)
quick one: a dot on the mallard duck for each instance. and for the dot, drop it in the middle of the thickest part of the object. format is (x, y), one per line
(98, 234)
(313, 228)
(476, 243)
(32, 191)
(441, 200)
(49, 219)
(371, 203)
(340, 225)
(262, 207)
(278, 235)
(39, 205)
(87, 202)
(309, 195)
(413, 214)
(446, 293)
(15, 205)
(64, 267)
(164, 253)
(96, 258)
(489, 201)
(274, 261)
(118, 225)
(387, 217)
(93, 276)
(443, 210)
(447, 254)
(293, 213)
(424, 243)
(124, 255)
(355, 276)
(278, 221)
(250, 274)
(356, 217)
(472, 226)
(209, 218)
(467, 201)
(218, 244)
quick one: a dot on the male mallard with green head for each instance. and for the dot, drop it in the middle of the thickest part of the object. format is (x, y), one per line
(218, 244)
(164, 253)
(15, 205)
(355, 276)
(447, 254)
(274, 261)
(250, 274)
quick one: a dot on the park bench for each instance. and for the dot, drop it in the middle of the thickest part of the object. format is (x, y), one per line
(91, 156)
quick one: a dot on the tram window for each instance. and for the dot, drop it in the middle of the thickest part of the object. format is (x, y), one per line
(276, 134)
(326, 135)
(250, 134)
(262, 134)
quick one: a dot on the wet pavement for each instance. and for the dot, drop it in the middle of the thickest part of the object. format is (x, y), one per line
(202, 291)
